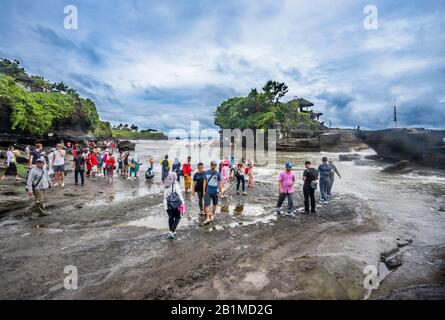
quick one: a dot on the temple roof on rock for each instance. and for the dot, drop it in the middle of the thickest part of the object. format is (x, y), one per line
(303, 102)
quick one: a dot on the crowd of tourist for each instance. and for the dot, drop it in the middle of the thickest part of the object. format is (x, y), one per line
(104, 161)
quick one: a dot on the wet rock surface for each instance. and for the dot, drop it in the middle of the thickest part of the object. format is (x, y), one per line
(126, 145)
(374, 157)
(114, 235)
(349, 157)
(400, 167)
(320, 139)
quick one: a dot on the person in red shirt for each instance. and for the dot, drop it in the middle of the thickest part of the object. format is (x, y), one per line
(93, 161)
(88, 164)
(111, 166)
(187, 170)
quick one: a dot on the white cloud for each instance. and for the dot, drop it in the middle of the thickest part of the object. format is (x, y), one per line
(239, 46)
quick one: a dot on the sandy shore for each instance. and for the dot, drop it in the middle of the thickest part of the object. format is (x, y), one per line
(113, 234)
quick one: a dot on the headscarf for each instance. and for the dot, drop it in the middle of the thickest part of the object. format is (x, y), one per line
(176, 161)
(171, 178)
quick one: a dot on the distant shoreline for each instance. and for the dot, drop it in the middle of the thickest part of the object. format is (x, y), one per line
(137, 135)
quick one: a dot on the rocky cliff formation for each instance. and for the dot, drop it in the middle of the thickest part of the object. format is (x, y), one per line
(325, 139)
(420, 146)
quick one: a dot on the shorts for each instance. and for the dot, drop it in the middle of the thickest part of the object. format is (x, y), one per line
(60, 168)
(210, 197)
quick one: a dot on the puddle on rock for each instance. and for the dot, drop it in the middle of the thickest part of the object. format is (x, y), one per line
(242, 210)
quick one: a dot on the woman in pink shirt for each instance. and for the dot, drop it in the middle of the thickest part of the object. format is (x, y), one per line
(286, 181)
(249, 173)
(225, 177)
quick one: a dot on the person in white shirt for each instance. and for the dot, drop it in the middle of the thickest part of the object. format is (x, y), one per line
(58, 164)
(11, 168)
(50, 161)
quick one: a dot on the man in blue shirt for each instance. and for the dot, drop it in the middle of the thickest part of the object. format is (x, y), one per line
(324, 171)
(212, 185)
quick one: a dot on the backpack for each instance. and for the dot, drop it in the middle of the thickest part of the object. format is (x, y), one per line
(313, 182)
(173, 200)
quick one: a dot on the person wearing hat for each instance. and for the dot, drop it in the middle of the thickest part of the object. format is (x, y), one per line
(36, 185)
(212, 185)
(225, 176)
(286, 181)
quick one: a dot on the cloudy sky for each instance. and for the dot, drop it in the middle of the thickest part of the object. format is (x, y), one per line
(160, 64)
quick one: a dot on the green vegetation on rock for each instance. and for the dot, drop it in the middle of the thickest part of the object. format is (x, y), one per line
(262, 110)
(38, 113)
(130, 135)
(33, 112)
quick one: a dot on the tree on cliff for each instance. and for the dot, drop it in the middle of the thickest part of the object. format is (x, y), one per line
(275, 91)
(11, 68)
(40, 82)
(61, 86)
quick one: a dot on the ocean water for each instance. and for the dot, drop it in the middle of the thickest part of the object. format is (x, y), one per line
(409, 203)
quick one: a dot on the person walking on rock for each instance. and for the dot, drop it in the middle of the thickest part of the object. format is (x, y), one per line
(240, 178)
(58, 164)
(324, 171)
(198, 186)
(212, 186)
(310, 178)
(176, 167)
(249, 174)
(286, 180)
(79, 160)
(187, 171)
(332, 176)
(165, 165)
(225, 177)
(173, 203)
(36, 185)
(11, 167)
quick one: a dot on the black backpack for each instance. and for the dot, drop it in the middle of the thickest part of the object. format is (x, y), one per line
(173, 200)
